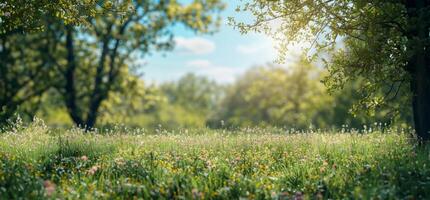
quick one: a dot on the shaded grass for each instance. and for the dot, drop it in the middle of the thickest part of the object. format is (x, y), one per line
(207, 164)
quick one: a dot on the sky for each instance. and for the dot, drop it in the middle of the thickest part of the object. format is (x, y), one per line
(222, 56)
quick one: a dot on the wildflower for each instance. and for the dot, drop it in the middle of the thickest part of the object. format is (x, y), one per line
(319, 196)
(325, 163)
(274, 195)
(298, 196)
(209, 164)
(367, 167)
(197, 194)
(49, 187)
(93, 170)
(283, 195)
(225, 189)
(120, 161)
(84, 158)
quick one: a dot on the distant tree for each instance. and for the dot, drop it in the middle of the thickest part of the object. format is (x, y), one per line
(386, 42)
(166, 115)
(133, 98)
(96, 60)
(294, 97)
(195, 93)
(183, 103)
(287, 97)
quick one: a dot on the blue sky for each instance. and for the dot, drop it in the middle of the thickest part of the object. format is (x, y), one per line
(221, 56)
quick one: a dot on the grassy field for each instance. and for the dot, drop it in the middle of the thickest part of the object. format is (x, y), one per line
(37, 162)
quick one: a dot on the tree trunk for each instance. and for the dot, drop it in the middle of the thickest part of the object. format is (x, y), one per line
(419, 67)
(421, 101)
(93, 113)
(70, 90)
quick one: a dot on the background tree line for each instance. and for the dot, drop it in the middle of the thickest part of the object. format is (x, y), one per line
(271, 95)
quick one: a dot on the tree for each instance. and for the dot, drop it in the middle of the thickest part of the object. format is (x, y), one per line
(274, 96)
(343, 110)
(23, 16)
(95, 60)
(294, 97)
(26, 67)
(184, 103)
(386, 42)
(194, 93)
(25, 73)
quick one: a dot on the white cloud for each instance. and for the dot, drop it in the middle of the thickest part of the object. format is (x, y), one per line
(219, 73)
(248, 49)
(195, 45)
(263, 46)
(199, 63)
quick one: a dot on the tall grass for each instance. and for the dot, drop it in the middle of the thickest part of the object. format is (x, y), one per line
(253, 163)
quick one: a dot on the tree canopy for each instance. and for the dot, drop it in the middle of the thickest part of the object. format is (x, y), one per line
(277, 96)
(87, 49)
(20, 16)
(384, 42)
(99, 57)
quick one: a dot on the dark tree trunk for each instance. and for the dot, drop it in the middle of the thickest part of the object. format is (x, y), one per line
(93, 113)
(70, 91)
(101, 88)
(88, 119)
(419, 66)
(421, 101)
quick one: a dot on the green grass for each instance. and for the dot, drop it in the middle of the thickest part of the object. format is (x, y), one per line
(37, 162)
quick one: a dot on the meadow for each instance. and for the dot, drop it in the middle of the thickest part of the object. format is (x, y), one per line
(37, 162)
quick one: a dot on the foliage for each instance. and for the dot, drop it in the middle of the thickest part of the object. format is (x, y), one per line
(383, 42)
(25, 73)
(134, 97)
(185, 103)
(368, 33)
(86, 64)
(99, 60)
(168, 116)
(194, 101)
(194, 93)
(19, 16)
(344, 111)
(274, 96)
(202, 163)
(294, 97)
